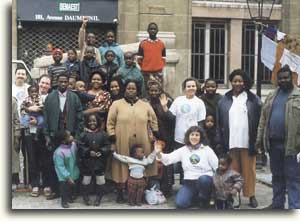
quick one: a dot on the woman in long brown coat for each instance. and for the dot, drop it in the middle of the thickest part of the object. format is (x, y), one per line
(127, 124)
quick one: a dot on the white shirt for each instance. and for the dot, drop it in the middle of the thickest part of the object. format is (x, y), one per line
(195, 162)
(188, 113)
(20, 92)
(238, 122)
(62, 100)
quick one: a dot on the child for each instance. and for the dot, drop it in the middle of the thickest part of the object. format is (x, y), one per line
(73, 64)
(54, 70)
(109, 67)
(228, 183)
(130, 71)
(110, 44)
(65, 165)
(88, 65)
(94, 149)
(34, 99)
(210, 97)
(87, 40)
(210, 129)
(152, 56)
(136, 182)
(72, 83)
(80, 86)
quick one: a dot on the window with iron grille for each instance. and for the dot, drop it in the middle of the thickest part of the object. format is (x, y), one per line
(33, 38)
(209, 50)
(249, 53)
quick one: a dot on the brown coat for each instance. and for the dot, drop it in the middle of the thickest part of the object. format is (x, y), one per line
(15, 135)
(129, 124)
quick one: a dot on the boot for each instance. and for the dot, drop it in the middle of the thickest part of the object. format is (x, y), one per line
(64, 191)
(85, 196)
(100, 193)
(120, 196)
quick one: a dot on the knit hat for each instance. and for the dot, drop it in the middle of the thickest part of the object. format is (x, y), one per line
(57, 50)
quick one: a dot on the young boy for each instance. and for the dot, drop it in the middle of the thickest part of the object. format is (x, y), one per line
(34, 99)
(110, 44)
(85, 41)
(88, 65)
(152, 56)
(130, 71)
(73, 64)
(109, 67)
(54, 70)
(228, 183)
(65, 164)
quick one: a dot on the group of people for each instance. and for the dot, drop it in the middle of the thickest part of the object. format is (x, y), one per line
(103, 123)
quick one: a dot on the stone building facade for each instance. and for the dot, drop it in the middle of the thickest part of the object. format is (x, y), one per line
(204, 38)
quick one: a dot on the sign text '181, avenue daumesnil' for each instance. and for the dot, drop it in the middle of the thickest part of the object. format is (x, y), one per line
(40, 17)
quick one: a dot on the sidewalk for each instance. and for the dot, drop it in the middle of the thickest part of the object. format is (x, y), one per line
(23, 200)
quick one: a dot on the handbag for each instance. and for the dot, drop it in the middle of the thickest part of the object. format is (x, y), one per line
(154, 196)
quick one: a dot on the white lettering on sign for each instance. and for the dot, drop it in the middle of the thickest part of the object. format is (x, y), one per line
(39, 17)
(69, 7)
(79, 18)
(54, 18)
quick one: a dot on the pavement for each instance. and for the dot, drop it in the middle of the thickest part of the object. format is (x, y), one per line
(23, 200)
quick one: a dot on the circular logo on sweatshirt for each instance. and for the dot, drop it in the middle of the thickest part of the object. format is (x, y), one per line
(194, 159)
(186, 108)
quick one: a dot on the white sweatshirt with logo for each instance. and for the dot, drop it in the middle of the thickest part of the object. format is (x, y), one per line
(195, 162)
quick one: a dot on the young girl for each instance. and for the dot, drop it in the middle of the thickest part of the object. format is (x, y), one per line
(65, 165)
(210, 129)
(88, 65)
(136, 182)
(228, 183)
(211, 97)
(73, 64)
(94, 149)
(109, 67)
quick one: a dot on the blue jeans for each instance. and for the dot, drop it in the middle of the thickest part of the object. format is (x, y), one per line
(194, 191)
(26, 119)
(285, 176)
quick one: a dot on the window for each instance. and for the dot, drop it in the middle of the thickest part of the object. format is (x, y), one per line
(249, 54)
(209, 50)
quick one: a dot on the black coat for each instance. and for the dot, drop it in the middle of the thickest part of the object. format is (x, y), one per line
(98, 142)
(254, 107)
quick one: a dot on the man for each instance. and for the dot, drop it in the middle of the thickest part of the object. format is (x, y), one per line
(278, 133)
(62, 110)
(39, 157)
(19, 91)
(152, 56)
(90, 40)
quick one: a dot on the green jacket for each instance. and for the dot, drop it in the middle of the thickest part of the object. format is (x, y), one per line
(65, 164)
(292, 123)
(73, 110)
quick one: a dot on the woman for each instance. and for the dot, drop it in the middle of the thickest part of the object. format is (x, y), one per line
(166, 131)
(116, 89)
(102, 101)
(199, 163)
(127, 124)
(187, 110)
(238, 115)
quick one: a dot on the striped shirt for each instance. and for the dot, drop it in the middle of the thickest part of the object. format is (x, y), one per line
(54, 71)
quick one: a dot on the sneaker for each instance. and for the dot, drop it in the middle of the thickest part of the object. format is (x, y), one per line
(35, 192)
(47, 191)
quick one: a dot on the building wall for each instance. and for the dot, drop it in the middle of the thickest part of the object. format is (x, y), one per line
(291, 17)
(174, 20)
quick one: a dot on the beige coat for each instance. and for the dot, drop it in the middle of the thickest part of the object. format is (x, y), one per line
(15, 135)
(129, 124)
